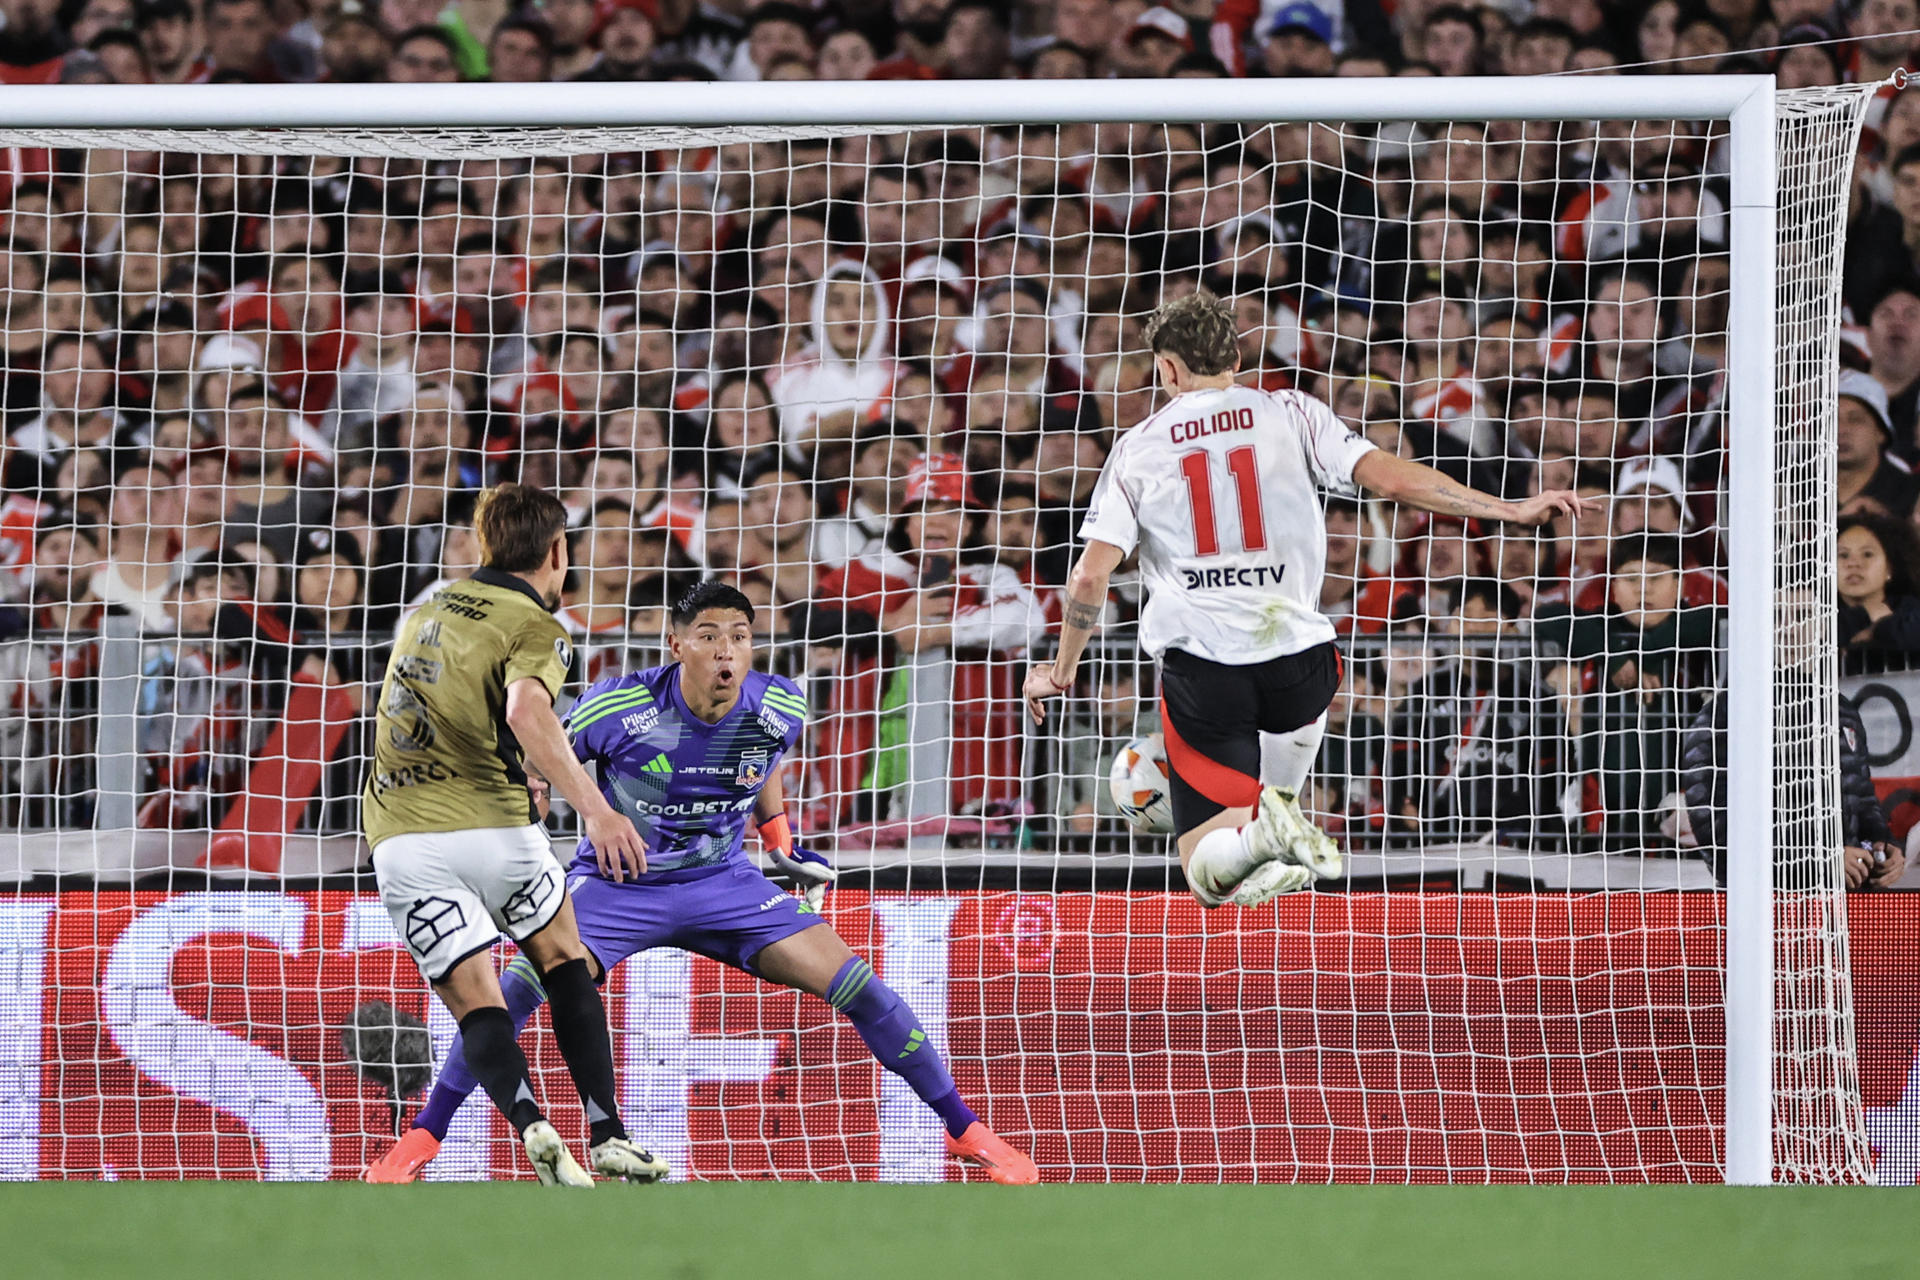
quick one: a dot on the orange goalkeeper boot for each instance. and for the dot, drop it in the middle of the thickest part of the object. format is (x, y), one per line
(405, 1159)
(981, 1146)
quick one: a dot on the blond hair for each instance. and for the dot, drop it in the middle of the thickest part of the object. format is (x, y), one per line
(1199, 328)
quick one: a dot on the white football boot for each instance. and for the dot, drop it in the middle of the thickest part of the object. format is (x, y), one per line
(1268, 881)
(1301, 842)
(621, 1158)
(548, 1154)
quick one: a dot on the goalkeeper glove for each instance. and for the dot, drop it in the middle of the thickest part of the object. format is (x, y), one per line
(810, 873)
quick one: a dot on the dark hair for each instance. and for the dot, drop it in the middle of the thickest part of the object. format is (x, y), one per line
(1653, 548)
(758, 468)
(1907, 155)
(1690, 17)
(1497, 596)
(71, 528)
(709, 593)
(1455, 13)
(1199, 329)
(561, 272)
(515, 525)
(1454, 208)
(781, 11)
(1546, 29)
(542, 33)
(427, 31)
(117, 38)
(1571, 390)
(993, 8)
(1204, 63)
(896, 173)
(1032, 60)
(1640, 273)
(1366, 53)
(1898, 281)
(737, 377)
(1186, 174)
(1897, 540)
(686, 69)
(155, 10)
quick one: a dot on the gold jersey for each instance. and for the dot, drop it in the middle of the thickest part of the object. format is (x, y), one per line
(443, 757)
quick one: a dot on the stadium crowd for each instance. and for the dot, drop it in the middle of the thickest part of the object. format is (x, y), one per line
(249, 400)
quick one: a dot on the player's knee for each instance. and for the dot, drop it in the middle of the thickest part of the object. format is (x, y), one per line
(550, 948)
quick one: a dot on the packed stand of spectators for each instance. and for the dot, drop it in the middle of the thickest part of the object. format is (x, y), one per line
(249, 401)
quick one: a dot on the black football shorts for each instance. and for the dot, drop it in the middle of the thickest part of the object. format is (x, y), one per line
(1212, 716)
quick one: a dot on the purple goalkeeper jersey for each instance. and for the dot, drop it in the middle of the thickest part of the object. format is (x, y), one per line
(688, 786)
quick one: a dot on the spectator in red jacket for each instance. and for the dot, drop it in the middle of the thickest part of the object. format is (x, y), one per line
(926, 596)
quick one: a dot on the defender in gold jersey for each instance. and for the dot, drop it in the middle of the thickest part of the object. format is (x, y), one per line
(458, 849)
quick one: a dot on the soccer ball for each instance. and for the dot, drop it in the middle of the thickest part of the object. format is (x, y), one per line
(1141, 789)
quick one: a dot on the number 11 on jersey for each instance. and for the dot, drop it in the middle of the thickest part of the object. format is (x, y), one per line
(1197, 467)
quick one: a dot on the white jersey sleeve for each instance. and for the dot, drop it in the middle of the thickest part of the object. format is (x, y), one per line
(1111, 514)
(1333, 448)
(1220, 490)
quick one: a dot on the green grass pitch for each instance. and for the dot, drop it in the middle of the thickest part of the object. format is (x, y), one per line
(761, 1231)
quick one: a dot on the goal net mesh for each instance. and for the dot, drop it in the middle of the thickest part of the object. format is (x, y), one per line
(254, 380)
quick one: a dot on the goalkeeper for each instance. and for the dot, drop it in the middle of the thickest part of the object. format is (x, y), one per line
(686, 751)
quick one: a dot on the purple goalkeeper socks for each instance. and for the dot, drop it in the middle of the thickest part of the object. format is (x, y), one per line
(898, 1041)
(456, 1079)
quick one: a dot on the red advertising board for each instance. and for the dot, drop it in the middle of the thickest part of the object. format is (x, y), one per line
(1339, 1037)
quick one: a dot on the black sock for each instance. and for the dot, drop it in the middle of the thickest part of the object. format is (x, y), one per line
(494, 1057)
(580, 1028)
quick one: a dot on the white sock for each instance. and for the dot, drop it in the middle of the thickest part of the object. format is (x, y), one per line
(1219, 863)
(1287, 758)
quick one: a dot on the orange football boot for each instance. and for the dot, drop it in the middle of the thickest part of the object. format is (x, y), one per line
(405, 1159)
(980, 1146)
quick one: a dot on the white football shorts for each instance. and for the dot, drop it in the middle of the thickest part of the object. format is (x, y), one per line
(453, 893)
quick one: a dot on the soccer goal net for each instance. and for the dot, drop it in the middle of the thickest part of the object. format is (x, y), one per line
(863, 355)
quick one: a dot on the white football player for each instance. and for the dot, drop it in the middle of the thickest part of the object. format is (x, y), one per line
(1220, 491)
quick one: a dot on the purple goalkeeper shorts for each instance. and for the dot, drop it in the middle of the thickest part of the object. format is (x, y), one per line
(731, 914)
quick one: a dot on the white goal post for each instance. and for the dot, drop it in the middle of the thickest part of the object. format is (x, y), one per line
(1790, 1105)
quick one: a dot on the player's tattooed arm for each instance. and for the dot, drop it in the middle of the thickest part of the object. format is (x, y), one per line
(1079, 613)
(1418, 485)
(1086, 596)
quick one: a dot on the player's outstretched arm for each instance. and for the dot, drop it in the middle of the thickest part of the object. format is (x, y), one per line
(530, 715)
(1086, 596)
(1418, 485)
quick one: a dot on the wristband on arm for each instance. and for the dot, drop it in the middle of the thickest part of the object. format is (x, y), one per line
(810, 873)
(776, 834)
